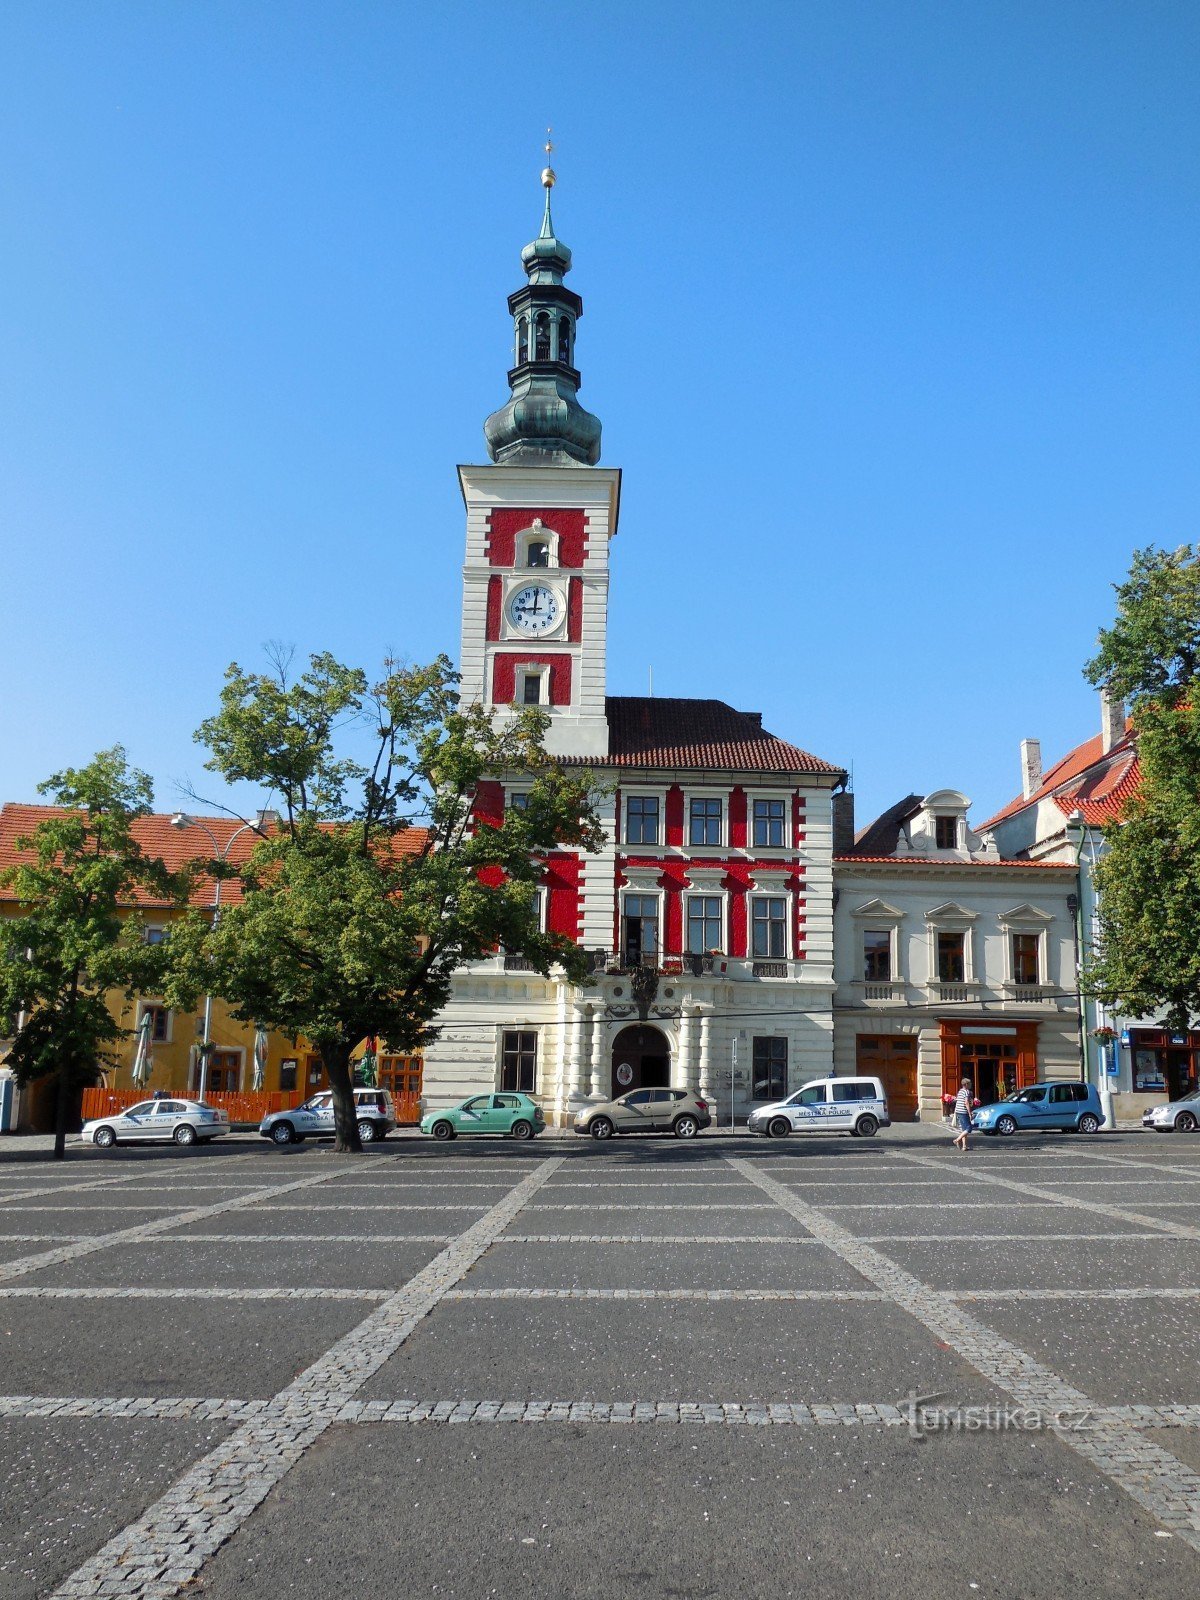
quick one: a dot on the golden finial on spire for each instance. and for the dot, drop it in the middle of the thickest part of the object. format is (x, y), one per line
(548, 173)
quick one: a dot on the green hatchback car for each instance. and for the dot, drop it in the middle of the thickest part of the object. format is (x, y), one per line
(516, 1116)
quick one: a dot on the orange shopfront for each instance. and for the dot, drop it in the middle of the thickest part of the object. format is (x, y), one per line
(997, 1057)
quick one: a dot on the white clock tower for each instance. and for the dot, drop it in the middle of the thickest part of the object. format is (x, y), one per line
(539, 521)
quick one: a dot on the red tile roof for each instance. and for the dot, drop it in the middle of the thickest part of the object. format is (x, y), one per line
(176, 846)
(1088, 780)
(702, 735)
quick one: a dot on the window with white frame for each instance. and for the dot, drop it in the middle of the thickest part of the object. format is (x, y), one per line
(154, 934)
(768, 927)
(951, 956)
(160, 1022)
(703, 923)
(531, 689)
(537, 546)
(641, 819)
(518, 1060)
(768, 1078)
(951, 949)
(1026, 957)
(768, 820)
(639, 929)
(877, 955)
(518, 799)
(945, 833)
(704, 820)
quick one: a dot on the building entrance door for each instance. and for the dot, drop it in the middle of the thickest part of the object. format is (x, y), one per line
(893, 1060)
(641, 1059)
(992, 1067)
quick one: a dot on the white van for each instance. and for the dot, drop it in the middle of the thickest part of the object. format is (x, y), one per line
(828, 1105)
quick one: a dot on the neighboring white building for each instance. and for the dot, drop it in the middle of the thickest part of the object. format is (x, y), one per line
(1059, 816)
(950, 960)
(709, 912)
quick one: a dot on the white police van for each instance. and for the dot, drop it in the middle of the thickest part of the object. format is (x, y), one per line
(828, 1105)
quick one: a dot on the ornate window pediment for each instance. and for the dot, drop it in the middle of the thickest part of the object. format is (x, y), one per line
(1027, 917)
(878, 911)
(951, 915)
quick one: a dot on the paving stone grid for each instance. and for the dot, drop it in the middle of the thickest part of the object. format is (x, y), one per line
(168, 1545)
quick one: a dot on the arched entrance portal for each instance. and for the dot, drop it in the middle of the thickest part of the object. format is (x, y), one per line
(641, 1059)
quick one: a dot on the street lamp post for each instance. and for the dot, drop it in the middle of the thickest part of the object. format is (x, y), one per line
(220, 853)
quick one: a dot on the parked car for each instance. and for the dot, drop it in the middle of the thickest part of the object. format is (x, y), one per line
(829, 1105)
(1181, 1116)
(516, 1116)
(646, 1111)
(1071, 1107)
(183, 1121)
(314, 1119)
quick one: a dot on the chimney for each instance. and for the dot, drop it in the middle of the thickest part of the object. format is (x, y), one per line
(266, 821)
(843, 823)
(1031, 767)
(1112, 721)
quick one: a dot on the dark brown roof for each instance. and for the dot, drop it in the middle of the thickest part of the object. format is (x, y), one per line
(881, 837)
(648, 731)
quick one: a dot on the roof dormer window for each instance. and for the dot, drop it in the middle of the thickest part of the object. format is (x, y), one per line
(945, 833)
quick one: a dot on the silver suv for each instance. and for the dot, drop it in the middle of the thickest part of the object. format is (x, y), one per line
(314, 1119)
(830, 1105)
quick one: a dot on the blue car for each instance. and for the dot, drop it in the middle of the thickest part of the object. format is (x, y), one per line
(1072, 1107)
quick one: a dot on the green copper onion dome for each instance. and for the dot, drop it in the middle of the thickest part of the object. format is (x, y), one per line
(543, 421)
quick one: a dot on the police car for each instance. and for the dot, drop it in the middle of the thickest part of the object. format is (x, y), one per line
(828, 1105)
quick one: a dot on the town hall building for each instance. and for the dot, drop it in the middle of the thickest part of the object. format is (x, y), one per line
(708, 914)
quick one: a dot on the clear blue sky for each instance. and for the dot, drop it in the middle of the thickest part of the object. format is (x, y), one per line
(891, 317)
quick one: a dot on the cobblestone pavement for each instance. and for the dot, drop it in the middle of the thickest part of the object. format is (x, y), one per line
(901, 1371)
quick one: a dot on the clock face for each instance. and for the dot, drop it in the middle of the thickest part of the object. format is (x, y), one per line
(535, 609)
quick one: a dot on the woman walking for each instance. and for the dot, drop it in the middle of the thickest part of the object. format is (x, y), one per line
(962, 1114)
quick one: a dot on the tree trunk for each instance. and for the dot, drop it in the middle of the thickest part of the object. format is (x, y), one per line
(61, 1097)
(336, 1060)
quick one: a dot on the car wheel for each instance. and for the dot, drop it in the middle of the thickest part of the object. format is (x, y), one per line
(779, 1128)
(184, 1134)
(366, 1131)
(442, 1131)
(521, 1129)
(601, 1128)
(685, 1128)
(104, 1137)
(866, 1127)
(1185, 1122)
(283, 1133)
(1088, 1122)
(1006, 1126)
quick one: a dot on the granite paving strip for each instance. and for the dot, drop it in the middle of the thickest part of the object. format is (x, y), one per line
(890, 1413)
(69, 1188)
(658, 1205)
(1158, 1481)
(29, 1291)
(352, 1238)
(1072, 1294)
(149, 1230)
(1004, 1238)
(135, 1407)
(1177, 1230)
(659, 1238)
(167, 1546)
(665, 1294)
(434, 1205)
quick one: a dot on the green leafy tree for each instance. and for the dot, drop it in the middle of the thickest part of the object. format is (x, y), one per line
(1148, 881)
(380, 880)
(74, 938)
